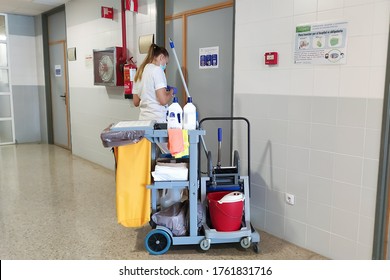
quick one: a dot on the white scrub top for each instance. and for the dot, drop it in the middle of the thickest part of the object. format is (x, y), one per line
(153, 78)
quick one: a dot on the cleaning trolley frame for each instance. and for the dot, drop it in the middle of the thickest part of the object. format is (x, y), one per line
(159, 239)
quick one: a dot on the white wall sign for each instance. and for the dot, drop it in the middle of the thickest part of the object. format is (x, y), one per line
(208, 58)
(57, 70)
(321, 43)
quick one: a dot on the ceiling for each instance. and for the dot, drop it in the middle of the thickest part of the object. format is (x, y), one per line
(29, 7)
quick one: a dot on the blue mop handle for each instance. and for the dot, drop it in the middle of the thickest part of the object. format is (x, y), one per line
(179, 67)
(219, 146)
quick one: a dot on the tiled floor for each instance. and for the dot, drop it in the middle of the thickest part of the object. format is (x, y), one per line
(54, 205)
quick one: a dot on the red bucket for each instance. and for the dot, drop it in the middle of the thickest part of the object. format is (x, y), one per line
(225, 215)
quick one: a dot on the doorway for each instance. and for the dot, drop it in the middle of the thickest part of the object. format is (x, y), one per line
(56, 77)
(196, 32)
(7, 129)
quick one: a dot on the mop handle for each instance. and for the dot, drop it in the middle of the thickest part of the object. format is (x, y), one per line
(219, 146)
(179, 67)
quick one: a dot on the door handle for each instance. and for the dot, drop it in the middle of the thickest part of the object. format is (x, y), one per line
(63, 96)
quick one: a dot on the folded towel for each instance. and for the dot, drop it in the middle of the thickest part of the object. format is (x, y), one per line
(185, 152)
(175, 141)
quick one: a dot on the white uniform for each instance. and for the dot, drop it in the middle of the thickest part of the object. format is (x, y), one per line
(153, 78)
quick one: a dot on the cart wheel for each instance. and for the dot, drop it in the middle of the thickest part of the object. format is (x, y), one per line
(205, 244)
(157, 242)
(256, 248)
(245, 242)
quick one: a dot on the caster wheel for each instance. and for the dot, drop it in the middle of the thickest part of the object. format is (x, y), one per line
(256, 248)
(245, 242)
(157, 242)
(205, 244)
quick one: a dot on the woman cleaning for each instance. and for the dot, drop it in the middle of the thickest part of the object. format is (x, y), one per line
(150, 89)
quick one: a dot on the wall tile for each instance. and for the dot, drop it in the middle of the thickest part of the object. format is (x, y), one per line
(331, 15)
(329, 4)
(381, 17)
(298, 159)
(358, 45)
(297, 184)
(327, 81)
(379, 49)
(258, 195)
(277, 179)
(348, 169)
(377, 82)
(360, 19)
(319, 215)
(323, 137)
(298, 211)
(368, 203)
(277, 106)
(324, 110)
(372, 144)
(349, 140)
(320, 190)
(345, 224)
(282, 8)
(351, 112)
(318, 240)
(374, 113)
(299, 108)
(305, 7)
(302, 81)
(366, 231)
(346, 197)
(275, 201)
(274, 224)
(342, 248)
(295, 232)
(354, 82)
(321, 164)
(298, 134)
(370, 173)
(257, 217)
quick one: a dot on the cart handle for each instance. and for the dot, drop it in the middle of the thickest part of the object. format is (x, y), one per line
(248, 136)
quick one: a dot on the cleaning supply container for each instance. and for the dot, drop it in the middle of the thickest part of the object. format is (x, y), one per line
(226, 209)
(189, 115)
(175, 114)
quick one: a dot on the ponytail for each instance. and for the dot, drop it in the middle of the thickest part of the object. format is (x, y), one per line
(153, 52)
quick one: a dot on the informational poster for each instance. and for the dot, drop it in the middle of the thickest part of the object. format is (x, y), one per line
(321, 43)
(58, 70)
(208, 57)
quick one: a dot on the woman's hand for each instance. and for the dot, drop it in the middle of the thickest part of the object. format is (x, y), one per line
(164, 96)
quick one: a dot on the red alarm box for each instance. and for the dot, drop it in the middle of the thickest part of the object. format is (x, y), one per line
(271, 58)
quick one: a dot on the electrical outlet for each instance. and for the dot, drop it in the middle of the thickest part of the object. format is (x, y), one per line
(290, 199)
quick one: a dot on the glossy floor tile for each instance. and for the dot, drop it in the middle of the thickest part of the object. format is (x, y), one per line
(54, 205)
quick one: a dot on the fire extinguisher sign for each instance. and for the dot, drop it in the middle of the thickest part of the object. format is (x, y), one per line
(107, 12)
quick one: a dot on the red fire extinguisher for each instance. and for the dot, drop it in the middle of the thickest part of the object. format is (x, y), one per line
(129, 70)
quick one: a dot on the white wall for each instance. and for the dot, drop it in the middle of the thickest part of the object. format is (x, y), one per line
(315, 128)
(93, 108)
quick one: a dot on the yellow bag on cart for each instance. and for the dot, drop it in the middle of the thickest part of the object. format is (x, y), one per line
(132, 175)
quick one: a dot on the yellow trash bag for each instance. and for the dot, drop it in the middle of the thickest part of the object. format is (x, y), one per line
(132, 176)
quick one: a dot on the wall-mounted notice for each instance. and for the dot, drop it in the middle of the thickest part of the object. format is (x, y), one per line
(57, 70)
(321, 43)
(208, 58)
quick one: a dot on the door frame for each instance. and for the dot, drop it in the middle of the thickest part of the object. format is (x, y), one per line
(65, 73)
(48, 93)
(382, 215)
(184, 16)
